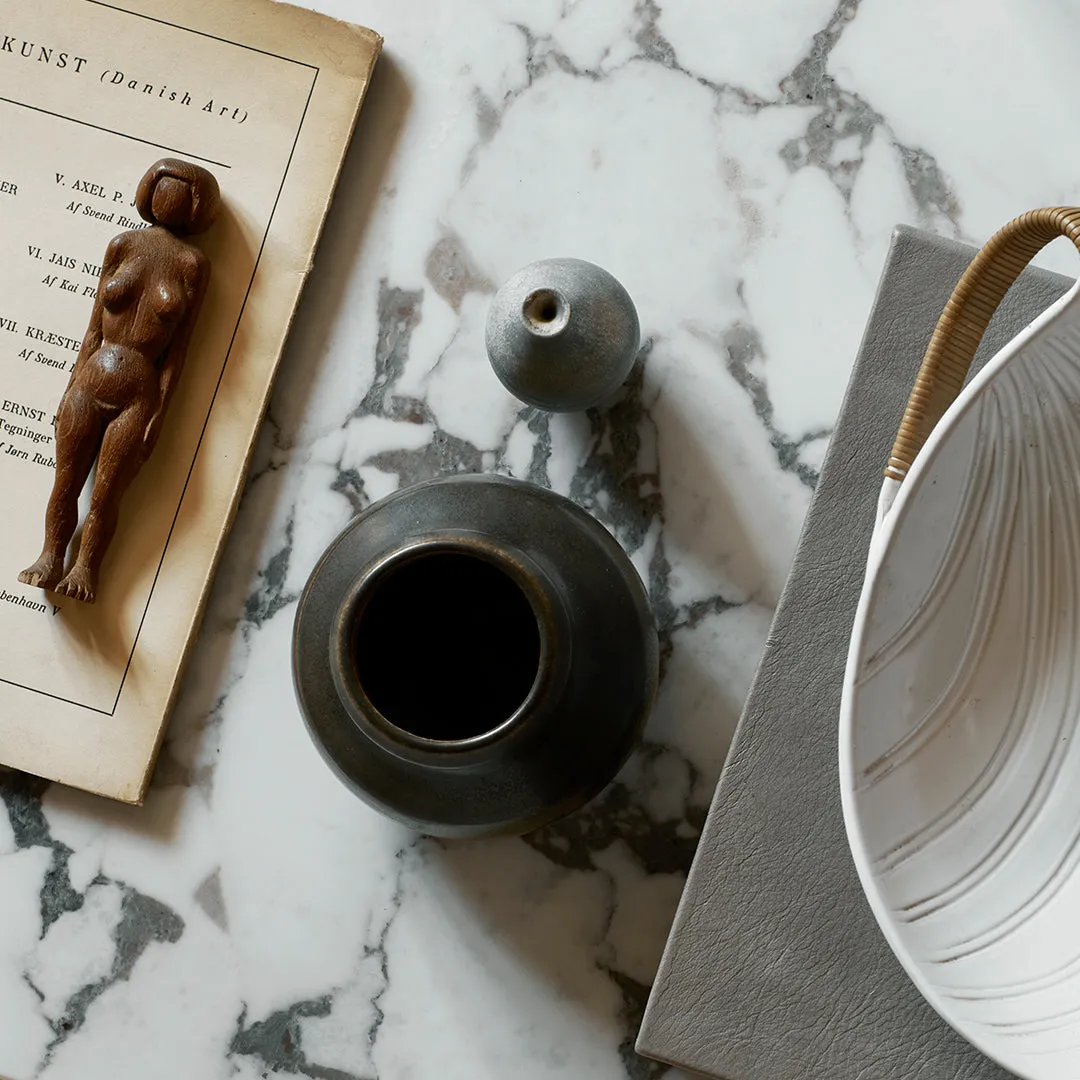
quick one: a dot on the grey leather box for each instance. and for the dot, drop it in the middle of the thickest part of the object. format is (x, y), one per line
(775, 968)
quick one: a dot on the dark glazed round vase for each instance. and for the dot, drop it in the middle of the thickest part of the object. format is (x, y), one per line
(475, 655)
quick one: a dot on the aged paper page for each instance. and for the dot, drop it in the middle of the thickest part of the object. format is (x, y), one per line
(91, 94)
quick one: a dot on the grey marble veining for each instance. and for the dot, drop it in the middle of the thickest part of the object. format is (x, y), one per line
(739, 168)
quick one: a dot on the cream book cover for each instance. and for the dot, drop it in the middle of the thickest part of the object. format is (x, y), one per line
(263, 95)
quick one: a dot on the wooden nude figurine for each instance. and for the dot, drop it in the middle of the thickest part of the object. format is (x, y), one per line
(152, 284)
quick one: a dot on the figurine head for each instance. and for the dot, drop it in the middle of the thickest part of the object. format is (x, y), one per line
(182, 197)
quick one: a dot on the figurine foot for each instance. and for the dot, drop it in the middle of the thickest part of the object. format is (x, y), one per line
(79, 584)
(44, 574)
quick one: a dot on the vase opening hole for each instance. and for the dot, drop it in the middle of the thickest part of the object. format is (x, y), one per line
(545, 311)
(446, 645)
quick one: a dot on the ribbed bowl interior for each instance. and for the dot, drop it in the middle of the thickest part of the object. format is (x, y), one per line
(959, 744)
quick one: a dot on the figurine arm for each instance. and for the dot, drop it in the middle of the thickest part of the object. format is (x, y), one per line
(91, 341)
(173, 362)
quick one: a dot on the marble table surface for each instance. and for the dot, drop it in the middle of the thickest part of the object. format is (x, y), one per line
(739, 166)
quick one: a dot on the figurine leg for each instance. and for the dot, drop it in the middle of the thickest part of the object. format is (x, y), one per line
(119, 459)
(78, 434)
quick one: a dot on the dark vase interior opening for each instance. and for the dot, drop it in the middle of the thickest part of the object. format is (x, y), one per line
(446, 644)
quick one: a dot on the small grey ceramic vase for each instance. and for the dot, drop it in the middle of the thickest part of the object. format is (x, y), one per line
(562, 334)
(475, 655)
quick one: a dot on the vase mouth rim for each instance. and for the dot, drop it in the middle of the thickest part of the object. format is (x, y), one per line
(399, 739)
(545, 311)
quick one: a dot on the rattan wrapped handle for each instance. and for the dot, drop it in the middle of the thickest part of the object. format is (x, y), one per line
(965, 318)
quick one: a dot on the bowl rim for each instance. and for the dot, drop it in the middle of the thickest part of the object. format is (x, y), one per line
(881, 545)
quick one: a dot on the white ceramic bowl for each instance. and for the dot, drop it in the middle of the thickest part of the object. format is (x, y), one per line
(959, 741)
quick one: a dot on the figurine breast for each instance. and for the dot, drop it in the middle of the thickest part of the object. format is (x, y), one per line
(118, 292)
(170, 301)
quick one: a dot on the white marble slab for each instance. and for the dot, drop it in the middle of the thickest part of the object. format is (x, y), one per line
(739, 166)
